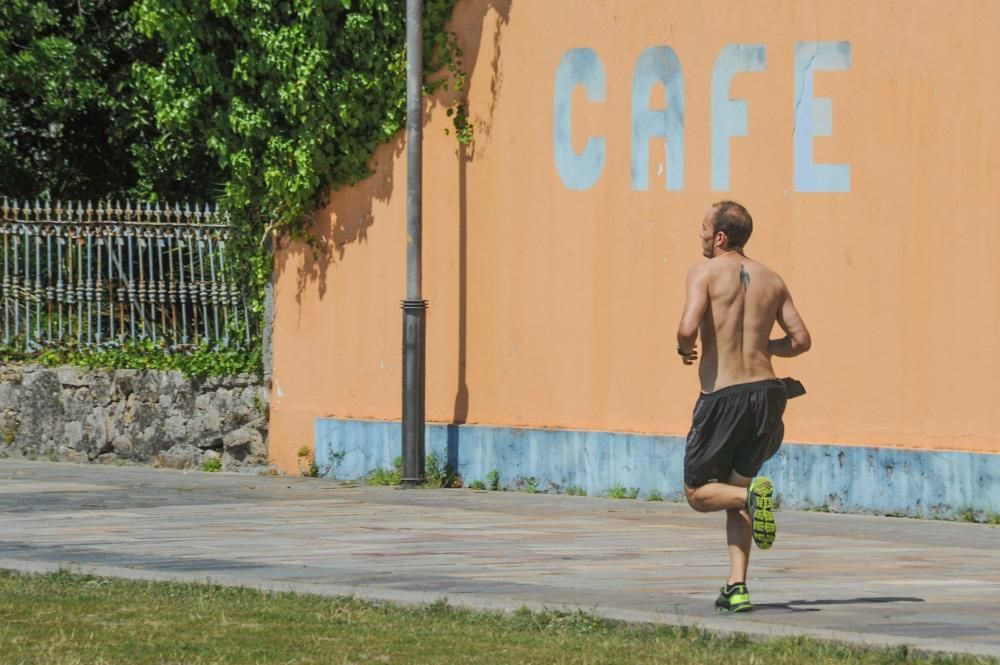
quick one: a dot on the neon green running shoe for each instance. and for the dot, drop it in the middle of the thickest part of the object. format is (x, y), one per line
(733, 598)
(760, 504)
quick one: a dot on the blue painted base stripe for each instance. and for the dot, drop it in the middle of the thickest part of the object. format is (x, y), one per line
(843, 478)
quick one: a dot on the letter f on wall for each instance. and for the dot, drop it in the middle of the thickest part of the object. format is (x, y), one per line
(579, 66)
(729, 116)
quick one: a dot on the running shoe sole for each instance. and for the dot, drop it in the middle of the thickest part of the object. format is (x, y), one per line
(760, 505)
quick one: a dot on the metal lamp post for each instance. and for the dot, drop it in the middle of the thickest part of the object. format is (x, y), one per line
(414, 307)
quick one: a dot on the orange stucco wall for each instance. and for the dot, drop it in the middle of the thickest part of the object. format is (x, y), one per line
(557, 307)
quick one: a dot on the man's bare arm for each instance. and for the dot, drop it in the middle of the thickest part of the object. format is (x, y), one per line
(695, 304)
(797, 339)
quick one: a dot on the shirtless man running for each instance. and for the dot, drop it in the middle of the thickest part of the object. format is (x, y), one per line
(735, 301)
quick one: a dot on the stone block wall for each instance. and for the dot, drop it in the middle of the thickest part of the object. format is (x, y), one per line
(133, 416)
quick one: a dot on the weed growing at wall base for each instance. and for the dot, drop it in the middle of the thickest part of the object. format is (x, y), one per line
(436, 472)
(619, 491)
(391, 476)
(307, 463)
(212, 464)
(529, 485)
(440, 474)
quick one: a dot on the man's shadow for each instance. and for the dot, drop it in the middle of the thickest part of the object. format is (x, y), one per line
(814, 605)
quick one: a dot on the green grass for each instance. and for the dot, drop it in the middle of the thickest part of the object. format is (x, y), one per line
(439, 473)
(619, 491)
(391, 476)
(966, 515)
(211, 465)
(529, 485)
(576, 490)
(67, 619)
(654, 495)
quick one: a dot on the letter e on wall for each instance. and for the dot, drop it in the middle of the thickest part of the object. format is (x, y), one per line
(814, 117)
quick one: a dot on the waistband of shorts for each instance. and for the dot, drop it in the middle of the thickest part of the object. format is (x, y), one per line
(742, 387)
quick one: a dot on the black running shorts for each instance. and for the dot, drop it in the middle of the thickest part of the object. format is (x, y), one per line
(737, 428)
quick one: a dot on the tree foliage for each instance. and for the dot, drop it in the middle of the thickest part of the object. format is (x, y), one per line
(68, 117)
(266, 104)
(290, 96)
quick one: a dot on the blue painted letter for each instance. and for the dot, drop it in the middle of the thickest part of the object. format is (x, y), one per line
(658, 64)
(729, 116)
(579, 66)
(814, 117)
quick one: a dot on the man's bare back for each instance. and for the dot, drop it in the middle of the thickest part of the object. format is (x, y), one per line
(734, 302)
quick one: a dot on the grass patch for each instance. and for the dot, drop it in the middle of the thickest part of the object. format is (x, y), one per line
(576, 490)
(63, 619)
(391, 476)
(438, 473)
(529, 485)
(619, 491)
(212, 465)
(654, 495)
(308, 466)
(965, 515)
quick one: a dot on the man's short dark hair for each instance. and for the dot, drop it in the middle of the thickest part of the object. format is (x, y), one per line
(732, 219)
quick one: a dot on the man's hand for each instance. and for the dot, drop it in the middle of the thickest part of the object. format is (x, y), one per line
(688, 357)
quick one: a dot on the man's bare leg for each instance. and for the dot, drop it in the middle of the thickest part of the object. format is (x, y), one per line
(732, 497)
(713, 497)
(739, 534)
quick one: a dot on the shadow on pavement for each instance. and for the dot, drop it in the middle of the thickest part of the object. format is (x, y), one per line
(810, 605)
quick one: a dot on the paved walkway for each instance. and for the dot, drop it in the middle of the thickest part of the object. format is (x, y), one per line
(876, 580)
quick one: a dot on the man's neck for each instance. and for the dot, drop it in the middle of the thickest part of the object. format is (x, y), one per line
(738, 251)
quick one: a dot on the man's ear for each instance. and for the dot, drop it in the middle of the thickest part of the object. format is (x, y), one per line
(721, 240)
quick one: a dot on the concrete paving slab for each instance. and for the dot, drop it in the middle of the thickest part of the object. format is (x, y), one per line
(864, 579)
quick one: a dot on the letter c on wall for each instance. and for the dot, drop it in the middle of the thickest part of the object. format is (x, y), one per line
(579, 66)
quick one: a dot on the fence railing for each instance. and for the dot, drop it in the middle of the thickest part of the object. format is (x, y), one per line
(87, 276)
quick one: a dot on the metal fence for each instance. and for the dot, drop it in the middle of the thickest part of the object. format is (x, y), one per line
(87, 276)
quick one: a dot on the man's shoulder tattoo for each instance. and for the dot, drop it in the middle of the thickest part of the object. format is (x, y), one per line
(744, 277)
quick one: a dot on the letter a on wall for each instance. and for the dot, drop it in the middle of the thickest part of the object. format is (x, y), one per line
(579, 66)
(658, 66)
